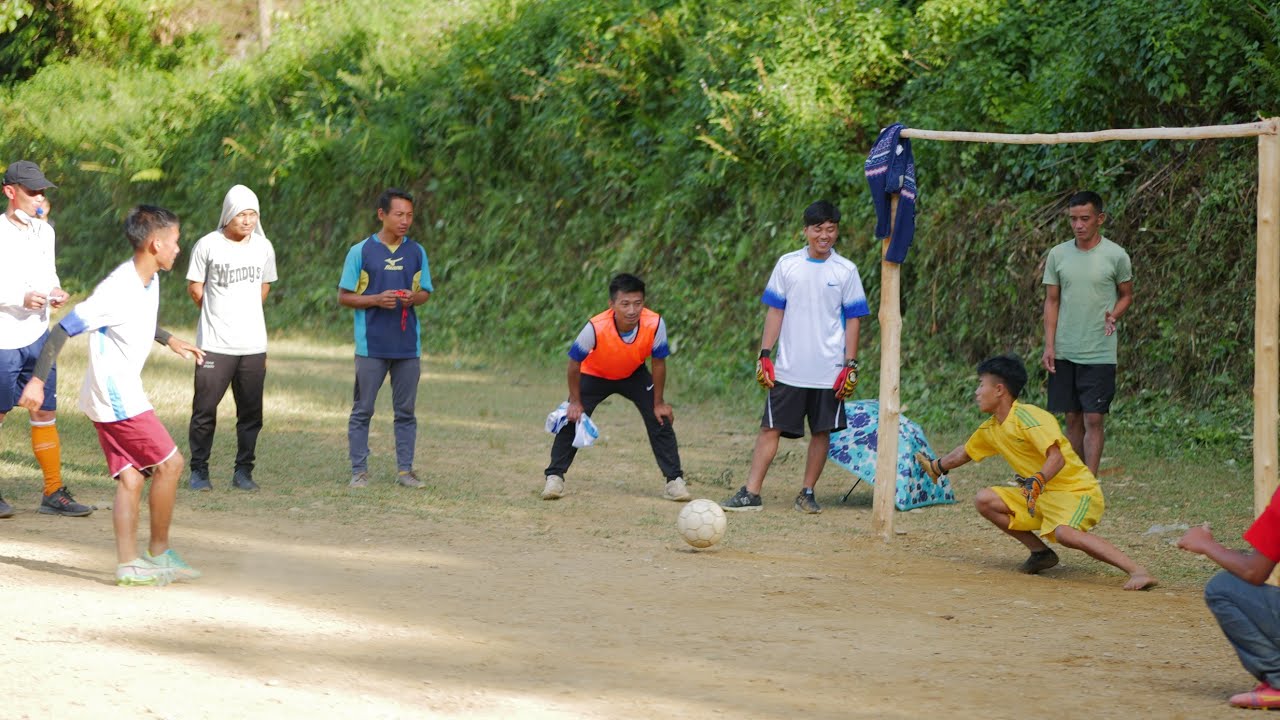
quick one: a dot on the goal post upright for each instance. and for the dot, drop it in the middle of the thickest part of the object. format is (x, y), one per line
(890, 315)
(1266, 360)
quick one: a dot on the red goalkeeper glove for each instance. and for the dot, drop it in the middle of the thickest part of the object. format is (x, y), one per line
(847, 380)
(1031, 488)
(764, 370)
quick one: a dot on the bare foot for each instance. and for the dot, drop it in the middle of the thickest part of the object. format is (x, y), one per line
(1140, 580)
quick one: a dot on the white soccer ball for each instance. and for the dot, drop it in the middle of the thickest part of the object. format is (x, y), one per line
(701, 523)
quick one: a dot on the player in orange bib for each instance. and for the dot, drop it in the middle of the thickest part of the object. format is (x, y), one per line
(608, 358)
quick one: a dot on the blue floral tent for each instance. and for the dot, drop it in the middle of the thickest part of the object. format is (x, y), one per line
(854, 449)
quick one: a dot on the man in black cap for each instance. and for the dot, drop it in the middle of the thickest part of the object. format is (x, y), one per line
(29, 287)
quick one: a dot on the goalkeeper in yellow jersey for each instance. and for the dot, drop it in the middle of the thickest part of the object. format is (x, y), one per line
(1057, 498)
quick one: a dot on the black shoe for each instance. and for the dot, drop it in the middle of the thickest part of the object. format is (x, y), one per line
(806, 503)
(6, 510)
(1037, 561)
(200, 480)
(60, 502)
(243, 480)
(743, 501)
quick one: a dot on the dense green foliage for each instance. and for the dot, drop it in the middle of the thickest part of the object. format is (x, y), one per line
(36, 33)
(551, 143)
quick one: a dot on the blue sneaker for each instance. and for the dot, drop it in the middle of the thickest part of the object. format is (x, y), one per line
(200, 480)
(172, 561)
(243, 480)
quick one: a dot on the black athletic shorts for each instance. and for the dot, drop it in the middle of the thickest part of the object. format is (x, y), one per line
(1081, 388)
(787, 407)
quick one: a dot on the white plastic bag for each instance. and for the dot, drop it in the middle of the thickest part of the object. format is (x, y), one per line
(584, 434)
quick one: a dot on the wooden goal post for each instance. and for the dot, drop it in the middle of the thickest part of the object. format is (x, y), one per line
(1266, 368)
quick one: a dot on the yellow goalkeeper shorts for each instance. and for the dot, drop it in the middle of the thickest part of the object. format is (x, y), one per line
(1080, 510)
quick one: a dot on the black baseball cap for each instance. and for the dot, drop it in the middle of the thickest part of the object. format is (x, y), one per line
(28, 175)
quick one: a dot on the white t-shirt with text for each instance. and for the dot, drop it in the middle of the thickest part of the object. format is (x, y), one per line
(233, 273)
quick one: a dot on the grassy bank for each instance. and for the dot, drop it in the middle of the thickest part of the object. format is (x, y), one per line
(551, 144)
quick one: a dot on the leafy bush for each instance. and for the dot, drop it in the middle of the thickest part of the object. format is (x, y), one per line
(37, 33)
(553, 143)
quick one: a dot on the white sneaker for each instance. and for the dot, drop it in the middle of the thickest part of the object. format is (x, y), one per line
(676, 491)
(554, 489)
(144, 572)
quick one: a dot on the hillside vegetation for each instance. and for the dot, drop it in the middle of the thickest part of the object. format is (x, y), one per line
(551, 143)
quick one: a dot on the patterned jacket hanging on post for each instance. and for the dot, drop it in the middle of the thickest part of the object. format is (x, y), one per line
(890, 169)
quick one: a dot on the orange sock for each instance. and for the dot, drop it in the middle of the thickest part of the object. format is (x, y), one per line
(48, 449)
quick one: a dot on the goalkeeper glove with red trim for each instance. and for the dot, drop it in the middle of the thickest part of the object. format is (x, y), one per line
(764, 370)
(1031, 488)
(847, 380)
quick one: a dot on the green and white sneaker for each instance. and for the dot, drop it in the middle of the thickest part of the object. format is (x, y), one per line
(173, 561)
(141, 571)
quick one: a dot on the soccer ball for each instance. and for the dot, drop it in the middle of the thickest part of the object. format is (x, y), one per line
(701, 523)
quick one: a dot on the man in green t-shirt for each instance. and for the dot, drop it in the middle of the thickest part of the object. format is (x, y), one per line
(1088, 286)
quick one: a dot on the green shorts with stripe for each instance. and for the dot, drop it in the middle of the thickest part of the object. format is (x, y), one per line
(1081, 509)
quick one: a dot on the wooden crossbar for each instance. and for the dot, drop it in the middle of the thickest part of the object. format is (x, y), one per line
(1263, 127)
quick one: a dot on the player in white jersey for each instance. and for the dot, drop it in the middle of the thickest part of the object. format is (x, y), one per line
(120, 317)
(815, 300)
(231, 270)
(29, 288)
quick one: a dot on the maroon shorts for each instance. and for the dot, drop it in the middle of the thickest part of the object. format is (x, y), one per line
(140, 442)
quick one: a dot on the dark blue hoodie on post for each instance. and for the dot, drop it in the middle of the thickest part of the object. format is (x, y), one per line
(890, 169)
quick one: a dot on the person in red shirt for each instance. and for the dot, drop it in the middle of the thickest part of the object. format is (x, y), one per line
(607, 358)
(1246, 608)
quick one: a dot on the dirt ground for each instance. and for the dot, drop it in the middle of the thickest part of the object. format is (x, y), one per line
(545, 619)
(474, 599)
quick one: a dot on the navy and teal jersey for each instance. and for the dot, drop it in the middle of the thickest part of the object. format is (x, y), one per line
(372, 268)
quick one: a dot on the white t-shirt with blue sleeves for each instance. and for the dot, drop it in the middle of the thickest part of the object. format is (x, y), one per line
(816, 297)
(586, 341)
(120, 317)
